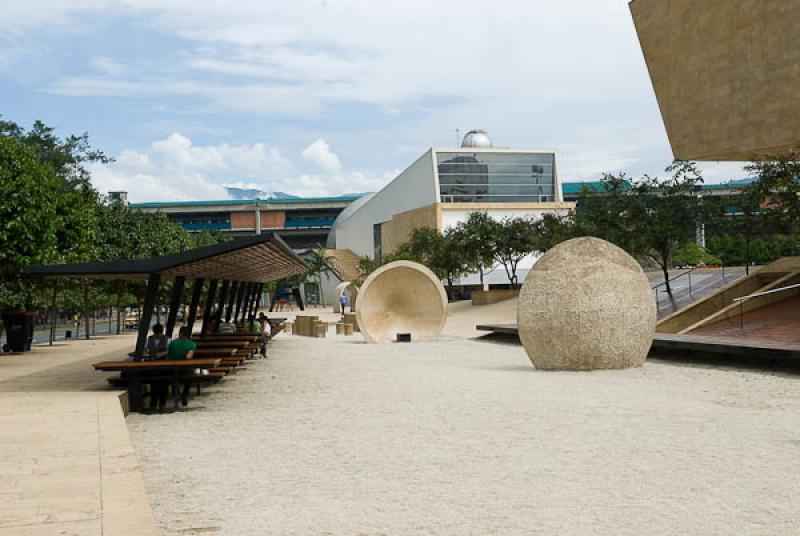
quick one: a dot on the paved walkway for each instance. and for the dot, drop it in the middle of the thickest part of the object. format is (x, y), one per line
(67, 463)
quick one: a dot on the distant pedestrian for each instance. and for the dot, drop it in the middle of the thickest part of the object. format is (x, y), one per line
(342, 302)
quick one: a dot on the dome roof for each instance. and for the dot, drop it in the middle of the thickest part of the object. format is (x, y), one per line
(476, 138)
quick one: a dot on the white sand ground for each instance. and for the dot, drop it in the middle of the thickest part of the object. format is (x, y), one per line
(333, 436)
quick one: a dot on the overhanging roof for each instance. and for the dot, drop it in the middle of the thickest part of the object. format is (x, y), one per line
(725, 74)
(252, 259)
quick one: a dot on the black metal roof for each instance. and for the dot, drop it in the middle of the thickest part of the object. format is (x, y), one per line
(255, 259)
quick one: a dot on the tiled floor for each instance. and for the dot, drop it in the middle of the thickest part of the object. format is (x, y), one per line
(780, 321)
(67, 464)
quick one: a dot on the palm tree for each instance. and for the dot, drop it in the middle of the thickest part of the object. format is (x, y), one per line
(318, 263)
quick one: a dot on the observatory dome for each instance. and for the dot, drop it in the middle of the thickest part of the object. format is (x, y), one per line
(476, 138)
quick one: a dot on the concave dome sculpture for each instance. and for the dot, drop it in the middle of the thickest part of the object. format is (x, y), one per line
(586, 304)
(401, 297)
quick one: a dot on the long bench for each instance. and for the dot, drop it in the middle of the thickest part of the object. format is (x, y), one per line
(140, 372)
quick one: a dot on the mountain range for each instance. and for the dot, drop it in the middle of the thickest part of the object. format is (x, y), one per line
(253, 193)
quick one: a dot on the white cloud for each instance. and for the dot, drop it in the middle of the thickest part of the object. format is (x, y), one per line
(319, 154)
(722, 171)
(106, 65)
(174, 168)
(405, 74)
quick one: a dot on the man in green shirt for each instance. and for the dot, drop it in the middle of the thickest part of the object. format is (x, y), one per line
(183, 348)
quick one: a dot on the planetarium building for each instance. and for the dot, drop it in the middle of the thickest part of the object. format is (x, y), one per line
(443, 187)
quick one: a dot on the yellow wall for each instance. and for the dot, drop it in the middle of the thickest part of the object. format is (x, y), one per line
(725, 73)
(396, 232)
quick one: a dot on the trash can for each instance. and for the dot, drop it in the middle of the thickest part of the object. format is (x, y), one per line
(19, 330)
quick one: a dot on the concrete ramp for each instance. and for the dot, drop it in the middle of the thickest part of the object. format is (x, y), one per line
(720, 305)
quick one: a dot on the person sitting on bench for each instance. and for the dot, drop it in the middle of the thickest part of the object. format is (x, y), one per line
(156, 347)
(265, 330)
(183, 348)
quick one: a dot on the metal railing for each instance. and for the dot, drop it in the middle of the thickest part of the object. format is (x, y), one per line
(740, 300)
(671, 279)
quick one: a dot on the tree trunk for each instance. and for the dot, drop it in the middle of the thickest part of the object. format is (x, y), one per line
(119, 313)
(53, 316)
(747, 255)
(665, 269)
(509, 274)
(514, 281)
(86, 312)
(480, 272)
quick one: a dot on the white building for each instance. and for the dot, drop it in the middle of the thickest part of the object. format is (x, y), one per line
(443, 187)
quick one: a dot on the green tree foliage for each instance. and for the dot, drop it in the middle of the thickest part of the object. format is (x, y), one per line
(737, 249)
(73, 194)
(515, 238)
(651, 218)
(740, 215)
(478, 235)
(690, 254)
(777, 187)
(552, 229)
(445, 254)
(51, 214)
(208, 238)
(29, 220)
(319, 263)
(366, 266)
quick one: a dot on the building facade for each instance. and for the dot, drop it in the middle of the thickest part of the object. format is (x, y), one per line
(443, 187)
(301, 222)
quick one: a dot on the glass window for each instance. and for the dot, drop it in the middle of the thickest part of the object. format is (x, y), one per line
(377, 242)
(488, 177)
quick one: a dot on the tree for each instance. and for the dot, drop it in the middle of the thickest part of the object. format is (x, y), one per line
(648, 217)
(777, 185)
(29, 220)
(75, 198)
(444, 254)
(478, 235)
(318, 264)
(690, 254)
(664, 214)
(600, 213)
(208, 238)
(366, 266)
(450, 258)
(743, 217)
(552, 229)
(515, 238)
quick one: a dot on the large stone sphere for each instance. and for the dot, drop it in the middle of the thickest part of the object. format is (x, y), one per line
(401, 297)
(586, 305)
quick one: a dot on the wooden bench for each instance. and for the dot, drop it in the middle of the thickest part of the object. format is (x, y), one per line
(147, 372)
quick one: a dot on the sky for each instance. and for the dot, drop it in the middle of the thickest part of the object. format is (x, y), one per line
(327, 97)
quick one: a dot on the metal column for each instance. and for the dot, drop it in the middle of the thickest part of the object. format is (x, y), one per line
(242, 291)
(248, 302)
(147, 314)
(197, 289)
(212, 290)
(223, 297)
(175, 302)
(233, 293)
(257, 301)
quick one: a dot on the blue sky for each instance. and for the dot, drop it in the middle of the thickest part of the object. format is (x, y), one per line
(328, 97)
